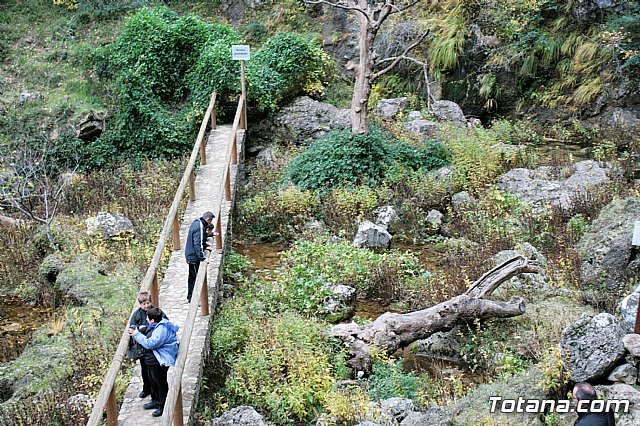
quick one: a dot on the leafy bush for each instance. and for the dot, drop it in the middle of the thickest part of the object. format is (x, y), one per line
(283, 67)
(346, 158)
(285, 369)
(389, 380)
(343, 208)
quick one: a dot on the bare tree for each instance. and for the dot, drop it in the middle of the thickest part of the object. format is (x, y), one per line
(32, 182)
(370, 16)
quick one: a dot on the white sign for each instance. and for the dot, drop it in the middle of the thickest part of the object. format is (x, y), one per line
(635, 241)
(240, 52)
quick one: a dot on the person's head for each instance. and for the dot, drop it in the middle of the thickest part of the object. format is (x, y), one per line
(145, 300)
(155, 315)
(584, 391)
(210, 228)
(208, 217)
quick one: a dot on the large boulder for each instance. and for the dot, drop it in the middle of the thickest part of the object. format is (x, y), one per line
(386, 216)
(300, 121)
(473, 408)
(108, 225)
(387, 109)
(445, 345)
(239, 416)
(51, 266)
(547, 185)
(593, 346)
(422, 127)
(625, 373)
(449, 111)
(622, 391)
(605, 249)
(371, 235)
(398, 408)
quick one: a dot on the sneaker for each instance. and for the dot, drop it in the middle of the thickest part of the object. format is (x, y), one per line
(158, 412)
(151, 405)
(143, 395)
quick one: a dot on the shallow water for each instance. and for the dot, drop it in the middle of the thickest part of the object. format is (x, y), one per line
(18, 321)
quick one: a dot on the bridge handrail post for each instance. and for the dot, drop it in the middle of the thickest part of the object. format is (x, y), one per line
(108, 385)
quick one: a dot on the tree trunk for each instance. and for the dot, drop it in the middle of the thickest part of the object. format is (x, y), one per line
(363, 71)
(391, 332)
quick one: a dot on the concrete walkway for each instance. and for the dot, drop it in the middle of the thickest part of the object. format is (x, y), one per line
(173, 290)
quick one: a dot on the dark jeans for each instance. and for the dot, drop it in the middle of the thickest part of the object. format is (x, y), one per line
(146, 380)
(193, 273)
(159, 385)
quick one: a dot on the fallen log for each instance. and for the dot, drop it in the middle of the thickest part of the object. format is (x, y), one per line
(391, 331)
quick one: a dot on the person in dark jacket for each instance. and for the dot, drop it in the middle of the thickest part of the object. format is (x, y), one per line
(194, 248)
(161, 342)
(138, 321)
(584, 393)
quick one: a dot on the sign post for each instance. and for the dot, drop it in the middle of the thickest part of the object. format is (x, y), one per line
(242, 52)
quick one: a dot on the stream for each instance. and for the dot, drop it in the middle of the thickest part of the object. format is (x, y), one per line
(18, 321)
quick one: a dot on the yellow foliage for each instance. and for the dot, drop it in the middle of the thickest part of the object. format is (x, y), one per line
(69, 4)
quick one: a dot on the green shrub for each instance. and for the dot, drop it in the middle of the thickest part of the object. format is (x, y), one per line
(389, 380)
(343, 207)
(284, 370)
(343, 157)
(285, 66)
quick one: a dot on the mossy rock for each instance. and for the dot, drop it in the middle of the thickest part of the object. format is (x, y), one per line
(51, 266)
(85, 279)
(474, 408)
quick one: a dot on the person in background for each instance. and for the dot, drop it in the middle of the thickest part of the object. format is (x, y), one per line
(161, 342)
(194, 248)
(584, 394)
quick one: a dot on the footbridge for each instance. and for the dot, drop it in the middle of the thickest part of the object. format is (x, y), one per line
(211, 187)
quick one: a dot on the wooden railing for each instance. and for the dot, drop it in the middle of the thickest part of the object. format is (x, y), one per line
(106, 400)
(173, 404)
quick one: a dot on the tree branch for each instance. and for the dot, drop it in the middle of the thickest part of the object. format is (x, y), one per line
(396, 59)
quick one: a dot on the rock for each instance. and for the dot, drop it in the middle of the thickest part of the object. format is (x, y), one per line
(449, 111)
(91, 126)
(435, 416)
(605, 249)
(315, 226)
(624, 373)
(371, 235)
(81, 401)
(472, 408)
(628, 308)
(51, 266)
(545, 185)
(622, 391)
(266, 158)
(300, 121)
(631, 343)
(386, 216)
(108, 225)
(239, 416)
(422, 127)
(590, 10)
(461, 201)
(593, 346)
(525, 283)
(434, 219)
(414, 115)
(387, 109)
(26, 96)
(398, 408)
(445, 345)
(341, 304)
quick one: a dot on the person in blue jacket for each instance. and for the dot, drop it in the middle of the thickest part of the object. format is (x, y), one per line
(161, 344)
(194, 248)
